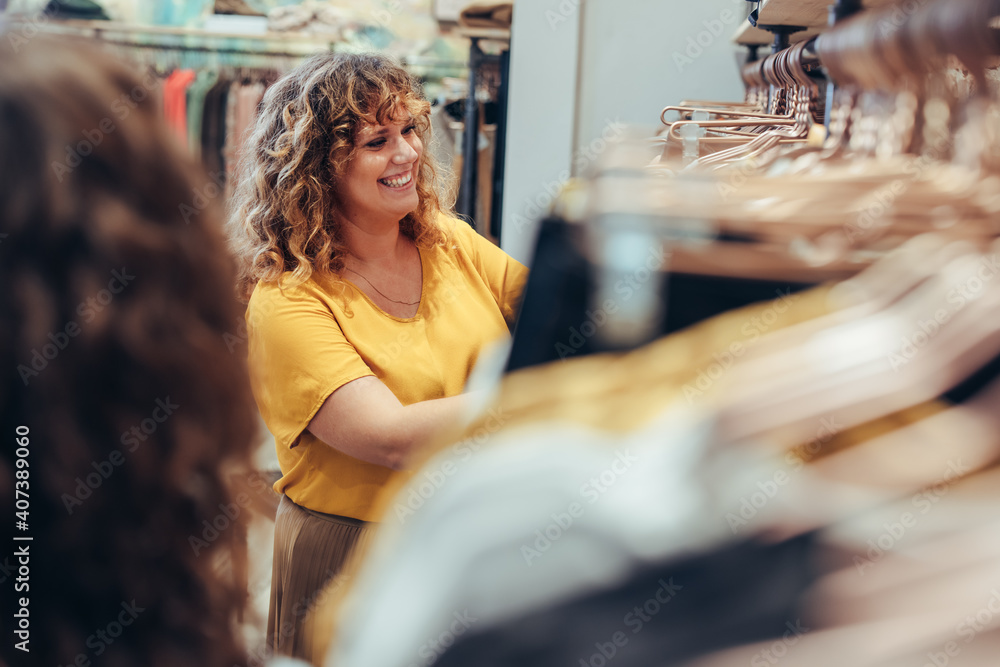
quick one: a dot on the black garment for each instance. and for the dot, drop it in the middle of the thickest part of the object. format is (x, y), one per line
(742, 593)
(556, 298)
(75, 9)
(694, 298)
(557, 305)
(213, 130)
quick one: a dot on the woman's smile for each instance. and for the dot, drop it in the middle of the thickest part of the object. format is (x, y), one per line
(398, 182)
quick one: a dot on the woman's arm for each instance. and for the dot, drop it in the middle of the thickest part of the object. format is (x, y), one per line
(365, 420)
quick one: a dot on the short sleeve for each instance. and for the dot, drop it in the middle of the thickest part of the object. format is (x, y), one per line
(298, 356)
(504, 275)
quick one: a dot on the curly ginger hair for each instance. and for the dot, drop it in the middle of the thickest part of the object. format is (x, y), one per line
(283, 215)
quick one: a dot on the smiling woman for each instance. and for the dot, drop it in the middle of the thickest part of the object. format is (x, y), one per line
(368, 306)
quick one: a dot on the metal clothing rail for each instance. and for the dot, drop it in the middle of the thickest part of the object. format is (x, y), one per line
(196, 48)
(862, 53)
(295, 45)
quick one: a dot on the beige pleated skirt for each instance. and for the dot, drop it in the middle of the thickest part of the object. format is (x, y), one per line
(310, 550)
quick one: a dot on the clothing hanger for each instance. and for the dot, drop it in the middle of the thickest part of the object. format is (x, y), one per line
(837, 487)
(986, 232)
(868, 57)
(786, 70)
(745, 127)
(850, 370)
(874, 289)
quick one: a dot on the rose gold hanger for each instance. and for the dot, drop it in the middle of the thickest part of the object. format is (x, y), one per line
(786, 70)
(751, 131)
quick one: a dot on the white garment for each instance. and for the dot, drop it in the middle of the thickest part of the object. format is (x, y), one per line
(483, 535)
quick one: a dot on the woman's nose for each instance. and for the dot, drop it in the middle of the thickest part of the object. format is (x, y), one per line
(404, 151)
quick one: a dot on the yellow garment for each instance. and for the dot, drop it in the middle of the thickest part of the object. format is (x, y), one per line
(307, 341)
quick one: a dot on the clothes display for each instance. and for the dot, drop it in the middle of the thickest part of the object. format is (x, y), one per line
(611, 522)
(670, 476)
(617, 399)
(241, 102)
(210, 111)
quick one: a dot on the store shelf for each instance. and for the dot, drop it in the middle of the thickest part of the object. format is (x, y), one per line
(288, 43)
(802, 12)
(498, 34)
(423, 66)
(747, 34)
(809, 13)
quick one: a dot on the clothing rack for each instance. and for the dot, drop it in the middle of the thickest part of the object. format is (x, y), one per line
(237, 57)
(192, 48)
(856, 57)
(208, 82)
(292, 44)
(835, 407)
(849, 52)
(478, 61)
(927, 33)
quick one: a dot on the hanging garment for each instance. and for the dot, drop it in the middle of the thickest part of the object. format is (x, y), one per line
(241, 110)
(601, 404)
(196, 94)
(213, 130)
(662, 615)
(534, 517)
(175, 102)
(229, 151)
(558, 299)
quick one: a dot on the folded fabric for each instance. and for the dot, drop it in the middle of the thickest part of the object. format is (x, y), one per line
(75, 9)
(487, 14)
(289, 19)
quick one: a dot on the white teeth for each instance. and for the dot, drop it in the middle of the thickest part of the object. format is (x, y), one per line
(397, 182)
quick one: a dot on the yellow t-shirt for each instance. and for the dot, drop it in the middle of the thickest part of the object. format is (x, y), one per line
(307, 341)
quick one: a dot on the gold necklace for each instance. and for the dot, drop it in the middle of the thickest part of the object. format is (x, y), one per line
(402, 303)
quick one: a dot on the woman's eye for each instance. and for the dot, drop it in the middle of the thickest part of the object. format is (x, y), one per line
(378, 143)
(409, 128)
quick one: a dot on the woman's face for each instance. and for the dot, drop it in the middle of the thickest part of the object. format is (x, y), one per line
(381, 178)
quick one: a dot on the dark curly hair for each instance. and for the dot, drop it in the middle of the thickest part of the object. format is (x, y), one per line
(283, 215)
(121, 409)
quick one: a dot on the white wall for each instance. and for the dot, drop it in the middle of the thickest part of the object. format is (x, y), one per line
(580, 66)
(540, 108)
